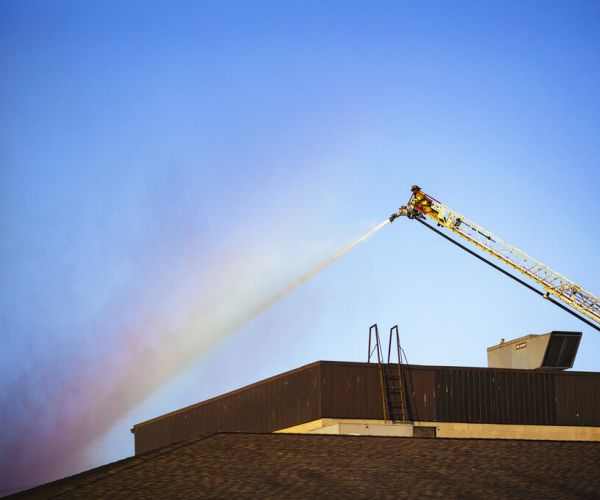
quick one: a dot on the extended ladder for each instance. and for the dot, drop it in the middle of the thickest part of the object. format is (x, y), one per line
(569, 294)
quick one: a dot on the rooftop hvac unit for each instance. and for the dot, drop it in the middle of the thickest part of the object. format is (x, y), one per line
(554, 350)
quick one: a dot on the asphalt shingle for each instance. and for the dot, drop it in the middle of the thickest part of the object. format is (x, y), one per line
(302, 466)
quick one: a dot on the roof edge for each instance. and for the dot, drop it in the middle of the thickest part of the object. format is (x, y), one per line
(327, 362)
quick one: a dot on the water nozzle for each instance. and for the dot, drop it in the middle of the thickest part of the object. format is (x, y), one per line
(401, 211)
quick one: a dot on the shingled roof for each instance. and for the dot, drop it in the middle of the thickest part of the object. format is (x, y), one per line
(302, 466)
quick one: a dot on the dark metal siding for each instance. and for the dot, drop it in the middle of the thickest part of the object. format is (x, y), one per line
(578, 399)
(421, 392)
(491, 396)
(329, 389)
(283, 401)
(351, 391)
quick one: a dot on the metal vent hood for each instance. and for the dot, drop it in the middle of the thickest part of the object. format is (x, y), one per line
(554, 350)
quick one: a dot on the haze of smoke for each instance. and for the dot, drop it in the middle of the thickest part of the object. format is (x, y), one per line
(142, 368)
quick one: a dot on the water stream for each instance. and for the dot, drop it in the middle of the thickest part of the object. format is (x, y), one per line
(312, 272)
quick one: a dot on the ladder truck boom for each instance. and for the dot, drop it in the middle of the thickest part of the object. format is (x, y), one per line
(421, 206)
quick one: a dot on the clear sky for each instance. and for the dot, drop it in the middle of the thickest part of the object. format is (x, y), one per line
(167, 166)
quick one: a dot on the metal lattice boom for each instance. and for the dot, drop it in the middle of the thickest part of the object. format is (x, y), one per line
(422, 205)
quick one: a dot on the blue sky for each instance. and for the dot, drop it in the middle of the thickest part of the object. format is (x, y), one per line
(165, 165)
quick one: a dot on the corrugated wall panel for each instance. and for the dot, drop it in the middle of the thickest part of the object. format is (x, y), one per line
(476, 395)
(351, 391)
(283, 401)
(577, 400)
(421, 392)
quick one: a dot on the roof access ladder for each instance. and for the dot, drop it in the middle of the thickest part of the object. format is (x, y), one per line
(391, 376)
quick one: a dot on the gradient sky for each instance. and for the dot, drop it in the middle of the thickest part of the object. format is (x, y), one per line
(167, 166)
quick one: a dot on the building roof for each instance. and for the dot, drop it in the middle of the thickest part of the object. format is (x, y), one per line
(346, 390)
(301, 466)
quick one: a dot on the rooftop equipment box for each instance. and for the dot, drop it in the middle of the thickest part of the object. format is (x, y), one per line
(554, 350)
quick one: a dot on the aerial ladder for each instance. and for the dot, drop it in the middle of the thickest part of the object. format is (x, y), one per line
(572, 298)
